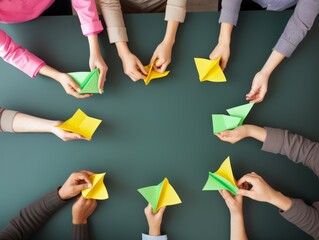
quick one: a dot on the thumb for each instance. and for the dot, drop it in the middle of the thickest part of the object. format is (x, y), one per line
(83, 186)
(245, 193)
(74, 85)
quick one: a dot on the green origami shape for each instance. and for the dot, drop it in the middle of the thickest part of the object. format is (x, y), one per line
(152, 194)
(240, 111)
(88, 81)
(216, 182)
(223, 122)
(237, 116)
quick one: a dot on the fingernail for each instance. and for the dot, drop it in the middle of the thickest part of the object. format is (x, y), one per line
(89, 185)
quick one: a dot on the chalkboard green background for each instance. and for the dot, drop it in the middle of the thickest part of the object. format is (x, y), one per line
(160, 130)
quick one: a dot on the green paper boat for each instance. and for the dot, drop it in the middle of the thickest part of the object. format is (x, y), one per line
(88, 81)
(237, 116)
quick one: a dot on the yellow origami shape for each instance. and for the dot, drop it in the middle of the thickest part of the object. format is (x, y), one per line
(152, 74)
(209, 70)
(98, 189)
(160, 195)
(222, 179)
(81, 124)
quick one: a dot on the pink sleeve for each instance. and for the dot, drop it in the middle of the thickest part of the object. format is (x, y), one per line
(89, 18)
(18, 56)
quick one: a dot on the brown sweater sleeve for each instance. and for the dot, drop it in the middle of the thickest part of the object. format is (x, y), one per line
(6, 120)
(31, 218)
(297, 148)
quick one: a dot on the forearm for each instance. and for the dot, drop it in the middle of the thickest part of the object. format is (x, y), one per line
(280, 201)
(26, 123)
(94, 45)
(273, 61)
(171, 31)
(50, 72)
(225, 33)
(237, 227)
(256, 132)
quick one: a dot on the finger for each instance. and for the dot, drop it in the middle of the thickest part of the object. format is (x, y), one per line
(223, 63)
(72, 136)
(141, 67)
(163, 67)
(82, 177)
(77, 95)
(78, 188)
(228, 197)
(161, 211)
(154, 57)
(159, 63)
(245, 178)
(74, 85)
(245, 193)
(102, 79)
(138, 75)
(89, 173)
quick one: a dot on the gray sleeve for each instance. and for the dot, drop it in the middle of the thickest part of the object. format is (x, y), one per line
(300, 22)
(113, 17)
(31, 218)
(6, 120)
(175, 10)
(148, 237)
(295, 147)
(80, 232)
(230, 11)
(304, 216)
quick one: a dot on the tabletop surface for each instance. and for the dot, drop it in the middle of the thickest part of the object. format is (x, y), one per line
(160, 130)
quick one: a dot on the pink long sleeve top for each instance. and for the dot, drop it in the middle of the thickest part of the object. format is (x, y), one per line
(25, 10)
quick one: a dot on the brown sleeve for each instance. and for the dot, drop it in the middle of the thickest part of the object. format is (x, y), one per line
(297, 148)
(304, 217)
(175, 10)
(6, 120)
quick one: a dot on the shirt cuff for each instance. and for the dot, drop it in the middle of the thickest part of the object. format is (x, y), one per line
(293, 213)
(274, 140)
(117, 34)
(148, 237)
(284, 47)
(6, 120)
(92, 28)
(175, 13)
(80, 231)
(53, 200)
(33, 65)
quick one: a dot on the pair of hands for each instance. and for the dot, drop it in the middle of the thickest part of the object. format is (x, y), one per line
(260, 82)
(134, 68)
(82, 208)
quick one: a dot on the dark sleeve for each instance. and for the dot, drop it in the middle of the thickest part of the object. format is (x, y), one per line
(80, 232)
(297, 27)
(295, 147)
(31, 218)
(304, 216)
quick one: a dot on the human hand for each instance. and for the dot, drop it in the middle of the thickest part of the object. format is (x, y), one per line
(262, 192)
(70, 86)
(97, 61)
(154, 220)
(234, 135)
(222, 50)
(234, 203)
(258, 88)
(65, 135)
(133, 67)
(162, 56)
(77, 182)
(82, 209)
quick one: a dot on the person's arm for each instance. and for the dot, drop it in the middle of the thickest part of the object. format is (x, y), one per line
(154, 223)
(82, 209)
(91, 26)
(293, 210)
(112, 13)
(295, 147)
(16, 122)
(235, 206)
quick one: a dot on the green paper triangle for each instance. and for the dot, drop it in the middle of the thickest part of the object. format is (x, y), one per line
(152, 194)
(216, 182)
(240, 111)
(223, 122)
(88, 81)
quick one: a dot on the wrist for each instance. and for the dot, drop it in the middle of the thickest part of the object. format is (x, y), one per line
(225, 34)
(122, 49)
(237, 215)
(280, 201)
(61, 194)
(154, 231)
(76, 220)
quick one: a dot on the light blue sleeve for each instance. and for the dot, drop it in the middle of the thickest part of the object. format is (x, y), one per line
(148, 237)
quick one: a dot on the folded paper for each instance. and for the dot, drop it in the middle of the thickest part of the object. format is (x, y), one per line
(237, 116)
(222, 179)
(160, 195)
(81, 124)
(152, 74)
(209, 70)
(88, 81)
(98, 190)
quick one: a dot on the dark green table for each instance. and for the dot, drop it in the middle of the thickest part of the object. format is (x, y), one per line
(160, 130)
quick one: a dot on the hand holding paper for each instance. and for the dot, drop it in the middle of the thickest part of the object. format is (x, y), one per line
(98, 190)
(88, 81)
(209, 70)
(160, 195)
(81, 124)
(222, 179)
(152, 74)
(237, 116)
